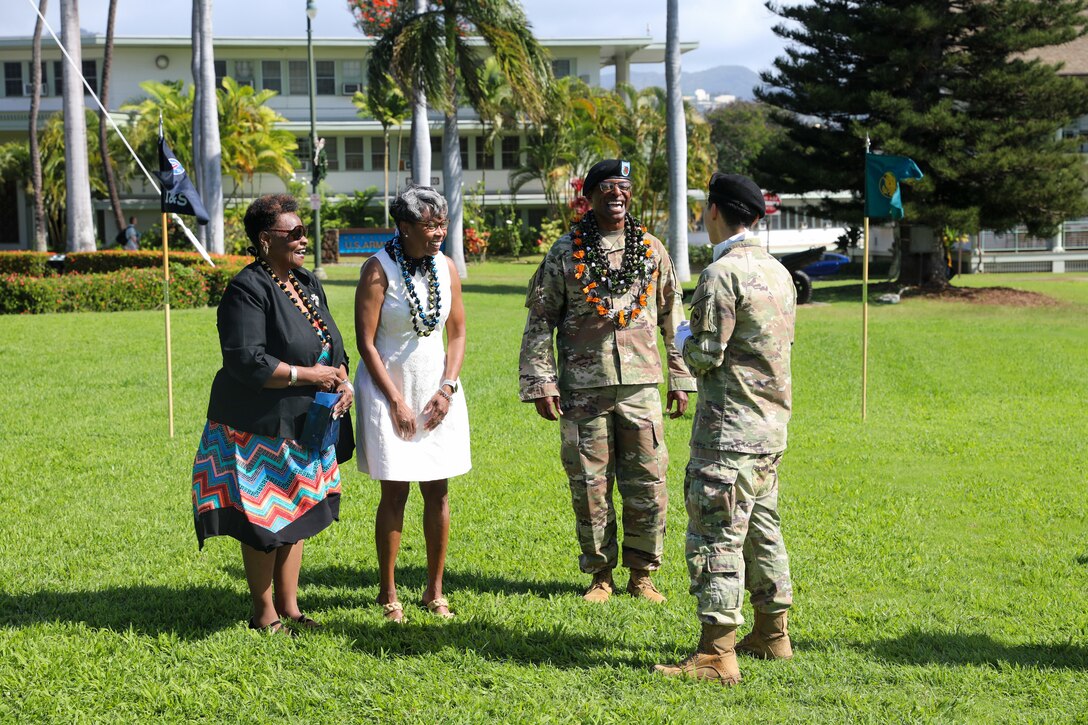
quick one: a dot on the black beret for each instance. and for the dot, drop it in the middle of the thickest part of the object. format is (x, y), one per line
(724, 188)
(607, 169)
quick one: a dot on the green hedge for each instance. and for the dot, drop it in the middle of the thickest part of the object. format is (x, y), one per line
(34, 264)
(130, 289)
(114, 260)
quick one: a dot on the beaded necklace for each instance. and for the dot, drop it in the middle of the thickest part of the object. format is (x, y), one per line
(424, 323)
(591, 267)
(305, 307)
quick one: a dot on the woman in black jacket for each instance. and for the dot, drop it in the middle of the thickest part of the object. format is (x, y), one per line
(252, 479)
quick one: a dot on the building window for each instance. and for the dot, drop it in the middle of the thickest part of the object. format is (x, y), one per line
(511, 152)
(484, 160)
(377, 153)
(271, 76)
(325, 82)
(220, 72)
(464, 152)
(13, 79)
(303, 154)
(58, 78)
(299, 77)
(90, 74)
(562, 68)
(332, 157)
(354, 154)
(243, 72)
(352, 71)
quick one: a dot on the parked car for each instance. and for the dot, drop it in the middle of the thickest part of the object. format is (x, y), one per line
(828, 264)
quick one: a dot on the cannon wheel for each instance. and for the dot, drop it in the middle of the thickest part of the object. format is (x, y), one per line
(803, 284)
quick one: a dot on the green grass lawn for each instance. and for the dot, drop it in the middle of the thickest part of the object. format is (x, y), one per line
(939, 551)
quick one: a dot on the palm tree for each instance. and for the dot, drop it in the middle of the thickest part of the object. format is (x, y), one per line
(497, 108)
(252, 142)
(80, 220)
(207, 151)
(429, 50)
(390, 109)
(41, 236)
(676, 131)
(421, 130)
(103, 141)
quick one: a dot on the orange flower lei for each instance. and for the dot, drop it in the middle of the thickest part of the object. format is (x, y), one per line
(592, 268)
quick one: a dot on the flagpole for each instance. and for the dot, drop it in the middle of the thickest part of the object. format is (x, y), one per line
(169, 352)
(865, 306)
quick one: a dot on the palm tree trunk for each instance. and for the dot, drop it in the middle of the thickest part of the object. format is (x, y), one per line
(103, 135)
(208, 154)
(385, 199)
(676, 132)
(421, 133)
(41, 235)
(453, 176)
(79, 216)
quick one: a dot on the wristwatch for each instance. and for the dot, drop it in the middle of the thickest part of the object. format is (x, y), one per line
(452, 383)
(294, 376)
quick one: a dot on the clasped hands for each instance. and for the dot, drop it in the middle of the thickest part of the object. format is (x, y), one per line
(328, 380)
(404, 418)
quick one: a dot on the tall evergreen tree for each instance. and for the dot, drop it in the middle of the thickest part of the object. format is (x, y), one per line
(949, 83)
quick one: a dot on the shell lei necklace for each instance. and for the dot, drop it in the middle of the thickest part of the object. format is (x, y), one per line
(424, 323)
(306, 307)
(591, 267)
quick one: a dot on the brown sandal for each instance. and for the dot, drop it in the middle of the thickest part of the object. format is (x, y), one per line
(439, 603)
(305, 622)
(391, 609)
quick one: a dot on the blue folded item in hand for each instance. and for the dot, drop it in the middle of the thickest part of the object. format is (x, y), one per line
(321, 430)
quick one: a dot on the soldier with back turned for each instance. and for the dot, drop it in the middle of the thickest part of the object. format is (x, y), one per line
(603, 291)
(738, 345)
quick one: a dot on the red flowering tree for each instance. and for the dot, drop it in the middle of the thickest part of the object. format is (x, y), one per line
(373, 17)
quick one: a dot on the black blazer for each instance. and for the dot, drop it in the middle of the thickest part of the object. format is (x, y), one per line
(259, 326)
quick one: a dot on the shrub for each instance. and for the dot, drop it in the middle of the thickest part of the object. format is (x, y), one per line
(550, 231)
(33, 264)
(700, 255)
(128, 289)
(114, 260)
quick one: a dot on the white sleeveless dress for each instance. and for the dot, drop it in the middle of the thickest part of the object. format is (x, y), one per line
(416, 365)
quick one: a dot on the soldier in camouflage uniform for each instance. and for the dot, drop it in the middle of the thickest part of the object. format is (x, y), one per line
(603, 291)
(738, 345)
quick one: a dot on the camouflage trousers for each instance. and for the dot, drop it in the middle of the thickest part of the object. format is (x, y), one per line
(615, 433)
(734, 536)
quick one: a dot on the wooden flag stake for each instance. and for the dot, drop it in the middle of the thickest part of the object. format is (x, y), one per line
(166, 302)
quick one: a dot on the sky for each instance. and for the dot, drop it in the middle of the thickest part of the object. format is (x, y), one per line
(729, 32)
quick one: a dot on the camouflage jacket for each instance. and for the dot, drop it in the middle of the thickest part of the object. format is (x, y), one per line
(592, 351)
(742, 319)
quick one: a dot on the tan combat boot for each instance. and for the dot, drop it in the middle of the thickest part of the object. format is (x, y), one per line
(641, 587)
(769, 638)
(714, 659)
(601, 588)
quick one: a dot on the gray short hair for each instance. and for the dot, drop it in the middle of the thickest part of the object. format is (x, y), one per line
(411, 204)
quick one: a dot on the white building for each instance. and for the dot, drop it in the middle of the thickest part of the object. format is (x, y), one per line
(353, 144)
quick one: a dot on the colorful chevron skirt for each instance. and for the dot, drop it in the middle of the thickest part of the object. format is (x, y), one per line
(263, 491)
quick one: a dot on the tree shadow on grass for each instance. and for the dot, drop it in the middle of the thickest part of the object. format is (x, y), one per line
(494, 289)
(554, 646)
(190, 613)
(412, 576)
(925, 648)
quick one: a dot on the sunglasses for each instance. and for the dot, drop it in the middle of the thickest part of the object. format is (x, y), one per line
(292, 234)
(607, 186)
(434, 226)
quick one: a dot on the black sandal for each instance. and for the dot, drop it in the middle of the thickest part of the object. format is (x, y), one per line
(273, 628)
(305, 622)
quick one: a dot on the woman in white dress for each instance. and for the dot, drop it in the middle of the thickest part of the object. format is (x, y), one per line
(412, 417)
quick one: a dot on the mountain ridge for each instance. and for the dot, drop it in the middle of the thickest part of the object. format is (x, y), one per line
(733, 80)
